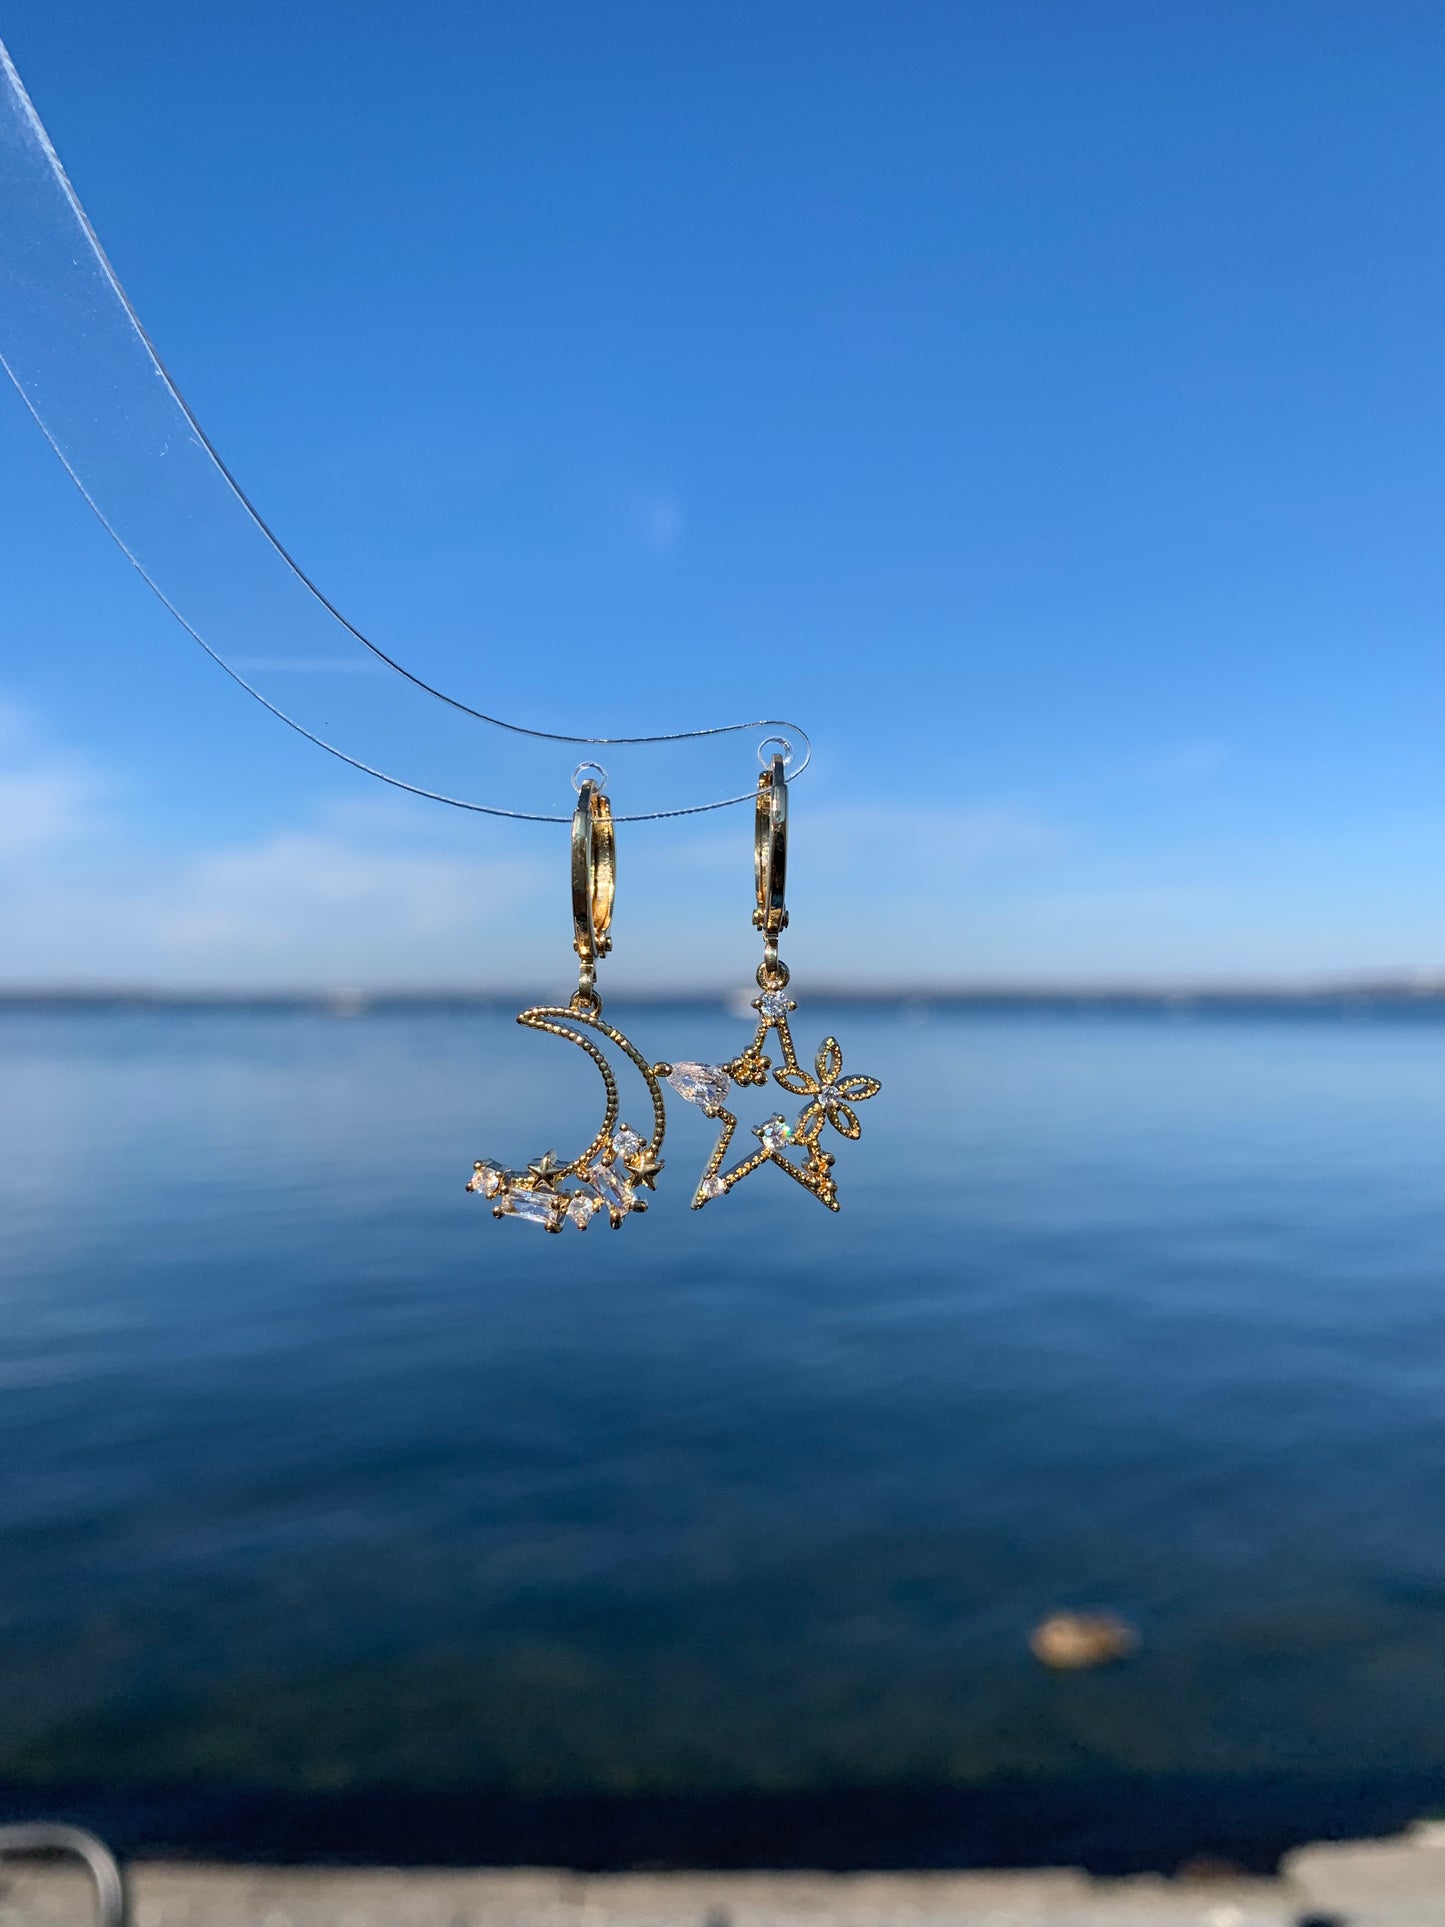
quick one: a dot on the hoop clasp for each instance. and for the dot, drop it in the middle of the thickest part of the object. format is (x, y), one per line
(770, 858)
(594, 883)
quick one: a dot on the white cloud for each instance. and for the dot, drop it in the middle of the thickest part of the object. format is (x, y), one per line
(385, 891)
(1189, 762)
(40, 808)
(945, 842)
(877, 893)
(660, 520)
(365, 893)
(46, 798)
(884, 840)
(325, 899)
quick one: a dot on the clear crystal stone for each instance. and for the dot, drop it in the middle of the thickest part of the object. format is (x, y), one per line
(830, 1094)
(537, 1207)
(712, 1187)
(610, 1188)
(486, 1178)
(625, 1141)
(773, 1003)
(775, 1132)
(580, 1209)
(704, 1084)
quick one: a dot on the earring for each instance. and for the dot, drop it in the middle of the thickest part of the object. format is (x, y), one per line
(829, 1095)
(619, 1161)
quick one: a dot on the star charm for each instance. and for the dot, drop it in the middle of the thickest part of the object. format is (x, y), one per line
(830, 1099)
(546, 1170)
(643, 1168)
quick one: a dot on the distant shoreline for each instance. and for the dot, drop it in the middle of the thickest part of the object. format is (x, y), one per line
(1354, 994)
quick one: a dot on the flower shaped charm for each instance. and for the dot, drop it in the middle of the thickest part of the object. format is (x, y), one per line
(832, 1094)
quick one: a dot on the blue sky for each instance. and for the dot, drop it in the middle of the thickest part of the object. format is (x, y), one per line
(1042, 403)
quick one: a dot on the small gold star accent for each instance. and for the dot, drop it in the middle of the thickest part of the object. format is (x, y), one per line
(546, 1170)
(644, 1168)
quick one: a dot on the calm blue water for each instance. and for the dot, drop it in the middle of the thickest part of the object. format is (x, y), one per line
(313, 1477)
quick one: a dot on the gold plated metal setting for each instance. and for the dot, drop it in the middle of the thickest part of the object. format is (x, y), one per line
(594, 883)
(619, 1162)
(829, 1097)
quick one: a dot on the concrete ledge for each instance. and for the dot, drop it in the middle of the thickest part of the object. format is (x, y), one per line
(1393, 1883)
(167, 1895)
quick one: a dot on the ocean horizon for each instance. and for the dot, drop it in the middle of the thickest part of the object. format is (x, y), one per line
(1408, 989)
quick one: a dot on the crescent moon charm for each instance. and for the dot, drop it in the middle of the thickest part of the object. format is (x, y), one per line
(617, 1164)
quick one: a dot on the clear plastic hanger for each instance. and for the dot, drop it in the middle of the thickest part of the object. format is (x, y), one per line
(75, 349)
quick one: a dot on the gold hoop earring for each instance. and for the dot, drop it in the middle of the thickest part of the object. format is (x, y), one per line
(619, 1162)
(829, 1095)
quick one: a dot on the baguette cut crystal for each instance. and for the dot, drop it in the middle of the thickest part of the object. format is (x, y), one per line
(703, 1084)
(610, 1188)
(537, 1207)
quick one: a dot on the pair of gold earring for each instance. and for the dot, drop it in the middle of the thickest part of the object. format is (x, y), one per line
(620, 1163)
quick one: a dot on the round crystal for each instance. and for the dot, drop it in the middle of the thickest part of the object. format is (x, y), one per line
(775, 1133)
(773, 1003)
(580, 1208)
(712, 1187)
(625, 1141)
(486, 1178)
